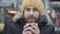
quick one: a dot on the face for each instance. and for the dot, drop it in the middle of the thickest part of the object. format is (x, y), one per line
(31, 14)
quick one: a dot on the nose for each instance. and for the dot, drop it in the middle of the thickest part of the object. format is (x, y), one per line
(31, 12)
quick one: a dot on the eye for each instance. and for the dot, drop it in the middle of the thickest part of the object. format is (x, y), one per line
(28, 9)
(34, 9)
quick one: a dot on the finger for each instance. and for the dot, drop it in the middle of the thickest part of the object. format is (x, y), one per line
(34, 26)
(27, 29)
(37, 25)
(30, 29)
(26, 25)
(35, 31)
(28, 32)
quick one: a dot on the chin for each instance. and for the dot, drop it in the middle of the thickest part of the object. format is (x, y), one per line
(30, 21)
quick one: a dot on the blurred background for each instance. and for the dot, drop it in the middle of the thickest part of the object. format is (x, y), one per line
(8, 8)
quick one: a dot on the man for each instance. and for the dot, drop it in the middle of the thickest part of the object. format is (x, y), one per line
(8, 27)
(8, 15)
(31, 20)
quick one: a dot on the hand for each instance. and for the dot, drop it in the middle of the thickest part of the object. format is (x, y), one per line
(32, 29)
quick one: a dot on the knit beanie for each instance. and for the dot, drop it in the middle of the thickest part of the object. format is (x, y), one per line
(36, 3)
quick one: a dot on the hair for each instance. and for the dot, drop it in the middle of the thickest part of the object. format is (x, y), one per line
(17, 16)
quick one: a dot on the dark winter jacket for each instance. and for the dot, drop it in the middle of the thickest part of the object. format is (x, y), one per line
(9, 28)
(17, 28)
(42, 21)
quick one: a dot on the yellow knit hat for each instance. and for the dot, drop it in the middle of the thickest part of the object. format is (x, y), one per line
(36, 3)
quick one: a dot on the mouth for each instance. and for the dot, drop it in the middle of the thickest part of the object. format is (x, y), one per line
(31, 19)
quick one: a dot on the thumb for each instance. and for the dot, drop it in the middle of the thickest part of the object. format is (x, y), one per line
(37, 24)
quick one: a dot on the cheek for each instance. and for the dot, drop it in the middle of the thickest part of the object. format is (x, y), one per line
(26, 14)
(36, 14)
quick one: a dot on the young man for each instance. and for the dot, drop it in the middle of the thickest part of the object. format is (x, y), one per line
(29, 21)
(8, 27)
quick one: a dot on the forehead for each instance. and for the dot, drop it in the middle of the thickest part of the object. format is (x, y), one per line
(30, 6)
